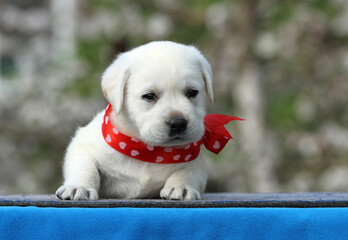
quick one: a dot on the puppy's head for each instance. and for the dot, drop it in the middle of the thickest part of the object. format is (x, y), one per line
(160, 90)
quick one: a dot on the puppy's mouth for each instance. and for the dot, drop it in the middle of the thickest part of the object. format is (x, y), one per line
(177, 141)
(177, 138)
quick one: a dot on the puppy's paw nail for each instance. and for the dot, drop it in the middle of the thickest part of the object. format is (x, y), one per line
(60, 191)
(165, 192)
(76, 193)
(192, 194)
(180, 193)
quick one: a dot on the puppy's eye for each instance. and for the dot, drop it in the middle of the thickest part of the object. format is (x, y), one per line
(150, 97)
(191, 93)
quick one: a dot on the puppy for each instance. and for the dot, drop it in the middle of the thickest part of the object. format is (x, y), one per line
(157, 94)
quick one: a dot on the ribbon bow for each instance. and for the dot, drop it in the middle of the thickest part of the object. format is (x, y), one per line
(215, 138)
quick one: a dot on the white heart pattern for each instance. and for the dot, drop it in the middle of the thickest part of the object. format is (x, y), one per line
(168, 149)
(134, 139)
(134, 153)
(108, 138)
(159, 159)
(188, 146)
(122, 145)
(176, 157)
(115, 131)
(106, 120)
(216, 145)
(150, 147)
(188, 157)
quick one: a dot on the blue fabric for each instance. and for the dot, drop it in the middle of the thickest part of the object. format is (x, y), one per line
(179, 223)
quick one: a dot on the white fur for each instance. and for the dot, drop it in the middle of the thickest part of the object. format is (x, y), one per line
(92, 168)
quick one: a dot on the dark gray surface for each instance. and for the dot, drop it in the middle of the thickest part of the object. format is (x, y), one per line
(297, 200)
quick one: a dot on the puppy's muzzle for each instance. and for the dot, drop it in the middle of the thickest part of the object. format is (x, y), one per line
(177, 126)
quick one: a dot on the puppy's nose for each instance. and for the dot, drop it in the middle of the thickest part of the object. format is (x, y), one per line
(177, 125)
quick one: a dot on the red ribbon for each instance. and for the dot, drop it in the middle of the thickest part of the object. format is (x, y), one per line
(215, 138)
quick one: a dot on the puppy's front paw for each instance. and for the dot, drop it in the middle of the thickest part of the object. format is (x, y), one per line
(180, 193)
(76, 193)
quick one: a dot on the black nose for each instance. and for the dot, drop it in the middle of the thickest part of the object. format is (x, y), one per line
(177, 125)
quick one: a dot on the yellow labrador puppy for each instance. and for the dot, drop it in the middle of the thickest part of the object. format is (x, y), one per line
(157, 94)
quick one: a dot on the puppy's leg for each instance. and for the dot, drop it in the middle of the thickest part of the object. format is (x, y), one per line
(185, 184)
(81, 176)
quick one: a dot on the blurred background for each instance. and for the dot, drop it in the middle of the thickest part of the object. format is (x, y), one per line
(282, 65)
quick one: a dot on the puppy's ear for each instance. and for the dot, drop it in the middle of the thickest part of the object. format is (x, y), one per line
(114, 81)
(208, 77)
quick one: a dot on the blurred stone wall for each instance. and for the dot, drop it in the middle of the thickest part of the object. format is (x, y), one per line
(281, 65)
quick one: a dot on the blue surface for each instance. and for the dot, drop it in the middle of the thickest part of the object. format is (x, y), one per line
(169, 223)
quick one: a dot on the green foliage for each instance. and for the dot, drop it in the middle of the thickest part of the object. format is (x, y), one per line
(189, 34)
(202, 4)
(8, 67)
(94, 54)
(281, 112)
(103, 4)
(280, 13)
(324, 6)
